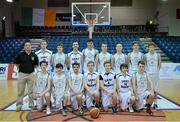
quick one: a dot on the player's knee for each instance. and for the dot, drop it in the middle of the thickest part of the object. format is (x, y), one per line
(47, 95)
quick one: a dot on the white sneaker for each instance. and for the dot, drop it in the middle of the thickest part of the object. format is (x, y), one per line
(131, 108)
(48, 110)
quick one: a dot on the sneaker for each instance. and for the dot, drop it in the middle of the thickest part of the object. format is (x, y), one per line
(130, 109)
(48, 111)
(114, 110)
(81, 112)
(63, 112)
(18, 109)
(148, 110)
(155, 106)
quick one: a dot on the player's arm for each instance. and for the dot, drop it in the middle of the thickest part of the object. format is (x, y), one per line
(83, 57)
(102, 84)
(132, 91)
(82, 88)
(70, 85)
(126, 56)
(85, 85)
(128, 59)
(112, 62)
(68, 62)
(52, 60)
(134, 86)
(34, 86)
(143, 58)
(115, 85)
(97, 84)
(159, 61)
(96, 60)
(150, 84)
(48, 87)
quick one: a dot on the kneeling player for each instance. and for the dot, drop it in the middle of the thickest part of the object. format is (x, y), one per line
(59, 85)
(42, 88)
(143, 89)
(125, 92)
(91, 81)
(76, 86)
(108, 88)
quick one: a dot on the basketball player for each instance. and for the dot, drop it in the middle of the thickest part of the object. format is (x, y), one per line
(153, 65)
(108, 88)
(76, 86)
(59, 57)
(44, 55)
(143, 89)
(133, 58)
(42, 88)
(90, 54)
(124, 89)
(119, 58)
(74, 56)
(102, 57)
(59, 88)
(91, 82)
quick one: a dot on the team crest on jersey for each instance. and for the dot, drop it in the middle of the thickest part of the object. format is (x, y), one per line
(32, 58)
(90, 55)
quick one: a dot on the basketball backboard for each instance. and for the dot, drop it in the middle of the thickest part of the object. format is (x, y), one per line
(94, 13)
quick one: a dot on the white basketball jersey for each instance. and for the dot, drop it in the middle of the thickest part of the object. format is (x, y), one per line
(75, 57)
(41, 82)
(152, 63)
(141, 82)
(124, 82)
(77, 81)
(134, 59)
(91, 80)
(101, 59)
(45, 56)
(118, 60)
(108, 81)
(59, 84)
(89, 56)
(60, 58)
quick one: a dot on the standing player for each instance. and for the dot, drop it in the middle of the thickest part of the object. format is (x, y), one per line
(124, 88)
(153, 64)
(42, 88)
(44, 55)
(59, 57)
(119, 58)
(133, 58)
(89, 54)
(91, 82)
(59, 88)
(143, 89)
(76, 86)
(74, 56)
(108, 88)
(102, 57)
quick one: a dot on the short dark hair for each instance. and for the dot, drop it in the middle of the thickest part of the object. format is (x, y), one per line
(90, 63)
(59, 44)
(106, 62)
(43, 62)
(90, 40)
(135, 42)
(59, 65)
(75, 41)
(123, 65)
(141, 62)
(75, 63)
(151, 44)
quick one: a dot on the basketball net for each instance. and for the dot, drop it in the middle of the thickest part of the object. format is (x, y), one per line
(91, 24)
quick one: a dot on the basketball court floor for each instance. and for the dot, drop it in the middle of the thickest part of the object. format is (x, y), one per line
(168, 101)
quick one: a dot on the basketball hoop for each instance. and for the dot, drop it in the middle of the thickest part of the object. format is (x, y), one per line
(91, 24)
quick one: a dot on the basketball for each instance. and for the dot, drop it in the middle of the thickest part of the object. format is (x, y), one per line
(94, 113)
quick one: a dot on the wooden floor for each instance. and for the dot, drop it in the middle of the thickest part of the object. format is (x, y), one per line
(168, 88)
